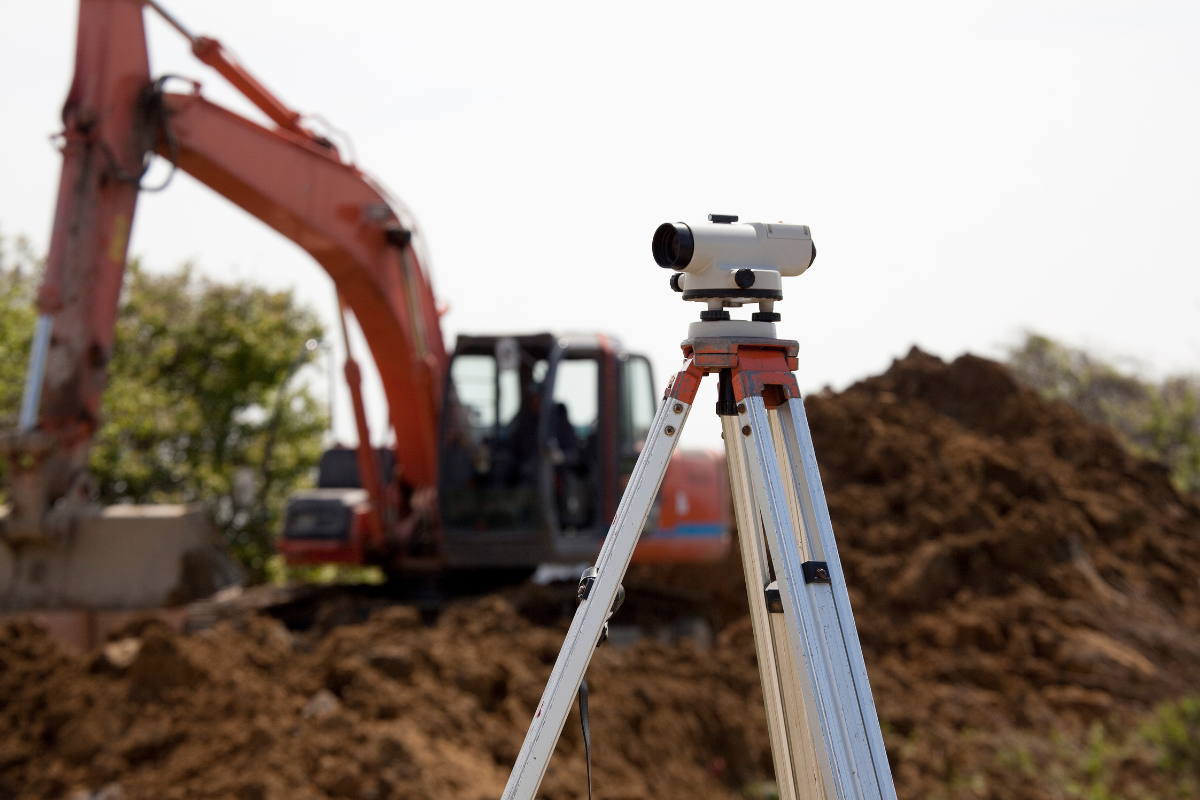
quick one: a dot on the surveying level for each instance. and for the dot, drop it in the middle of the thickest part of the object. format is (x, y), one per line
(825, 735)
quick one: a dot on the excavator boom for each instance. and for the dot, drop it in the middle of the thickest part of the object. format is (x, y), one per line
(368, 243)
(288, 177)
(555, 476)
(115, 118)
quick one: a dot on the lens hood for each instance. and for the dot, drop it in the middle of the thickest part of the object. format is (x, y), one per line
(673, 245)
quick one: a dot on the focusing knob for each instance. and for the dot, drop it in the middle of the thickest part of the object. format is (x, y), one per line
(675, 285)
(744, 278)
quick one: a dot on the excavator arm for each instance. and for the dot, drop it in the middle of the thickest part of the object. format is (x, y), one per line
(366, 242)
(290, 178)
(55, 539)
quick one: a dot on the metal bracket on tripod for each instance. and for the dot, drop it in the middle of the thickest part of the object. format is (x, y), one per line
(825, 734)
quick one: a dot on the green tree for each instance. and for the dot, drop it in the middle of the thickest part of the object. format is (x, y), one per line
(199, 391)
(1160, 421)
(200, 405)
(19, 271)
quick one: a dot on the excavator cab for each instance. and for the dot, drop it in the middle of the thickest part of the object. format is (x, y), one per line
(536, 434)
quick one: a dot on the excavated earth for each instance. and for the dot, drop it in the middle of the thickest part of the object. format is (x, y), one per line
(1020, 584)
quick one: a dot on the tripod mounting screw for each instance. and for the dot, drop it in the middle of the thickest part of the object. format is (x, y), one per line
(669, 430)
(745, 430)
(677, 408)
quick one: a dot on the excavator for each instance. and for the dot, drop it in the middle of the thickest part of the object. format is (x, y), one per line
(510, 450)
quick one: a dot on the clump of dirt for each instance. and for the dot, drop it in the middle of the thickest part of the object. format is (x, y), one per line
(1017, 579)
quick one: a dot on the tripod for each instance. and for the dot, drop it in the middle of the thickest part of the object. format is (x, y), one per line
(824, 730)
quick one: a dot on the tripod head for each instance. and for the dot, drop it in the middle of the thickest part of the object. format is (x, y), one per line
(725, 264)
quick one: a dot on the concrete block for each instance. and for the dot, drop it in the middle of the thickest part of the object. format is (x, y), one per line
(119, 558)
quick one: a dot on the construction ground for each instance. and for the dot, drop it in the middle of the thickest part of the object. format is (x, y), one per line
(1027, 595)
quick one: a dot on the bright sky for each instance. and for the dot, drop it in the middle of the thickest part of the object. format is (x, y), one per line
(969, 170)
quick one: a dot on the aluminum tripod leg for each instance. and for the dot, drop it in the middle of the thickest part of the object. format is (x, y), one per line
(613, 561)
(825, 734)
(798, 772)
(780, 466)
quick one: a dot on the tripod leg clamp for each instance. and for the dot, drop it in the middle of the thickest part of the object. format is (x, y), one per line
(585, 588)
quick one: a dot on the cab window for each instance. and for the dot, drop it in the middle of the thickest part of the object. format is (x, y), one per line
(490, 453)
(637, 401)
(474, 379)
(577, 387)
(573, 443)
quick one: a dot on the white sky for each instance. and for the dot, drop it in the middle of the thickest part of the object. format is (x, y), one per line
(968, 169)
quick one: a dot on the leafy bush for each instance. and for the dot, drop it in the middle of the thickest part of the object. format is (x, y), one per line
(1175, 732)
(198, 393)
(1159, 421)
(19, 271)
(200, 406)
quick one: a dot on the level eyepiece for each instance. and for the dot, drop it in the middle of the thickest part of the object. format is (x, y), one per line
(673, 245)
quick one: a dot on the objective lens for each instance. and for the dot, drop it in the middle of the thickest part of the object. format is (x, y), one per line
(673, 245)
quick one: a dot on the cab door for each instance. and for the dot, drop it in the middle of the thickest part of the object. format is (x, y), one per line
(635, 411)
(573, 440)
(490, 461)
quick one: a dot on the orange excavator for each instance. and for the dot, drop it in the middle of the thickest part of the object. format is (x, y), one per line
(511, 451)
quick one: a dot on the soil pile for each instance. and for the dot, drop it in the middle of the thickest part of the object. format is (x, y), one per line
(1016, 578)
(1012, 566)
(1012, 569)
(385, 709)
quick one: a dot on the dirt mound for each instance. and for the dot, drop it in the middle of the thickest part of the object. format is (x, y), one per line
(1016, 578)
(385, 709)
(1011, 567)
